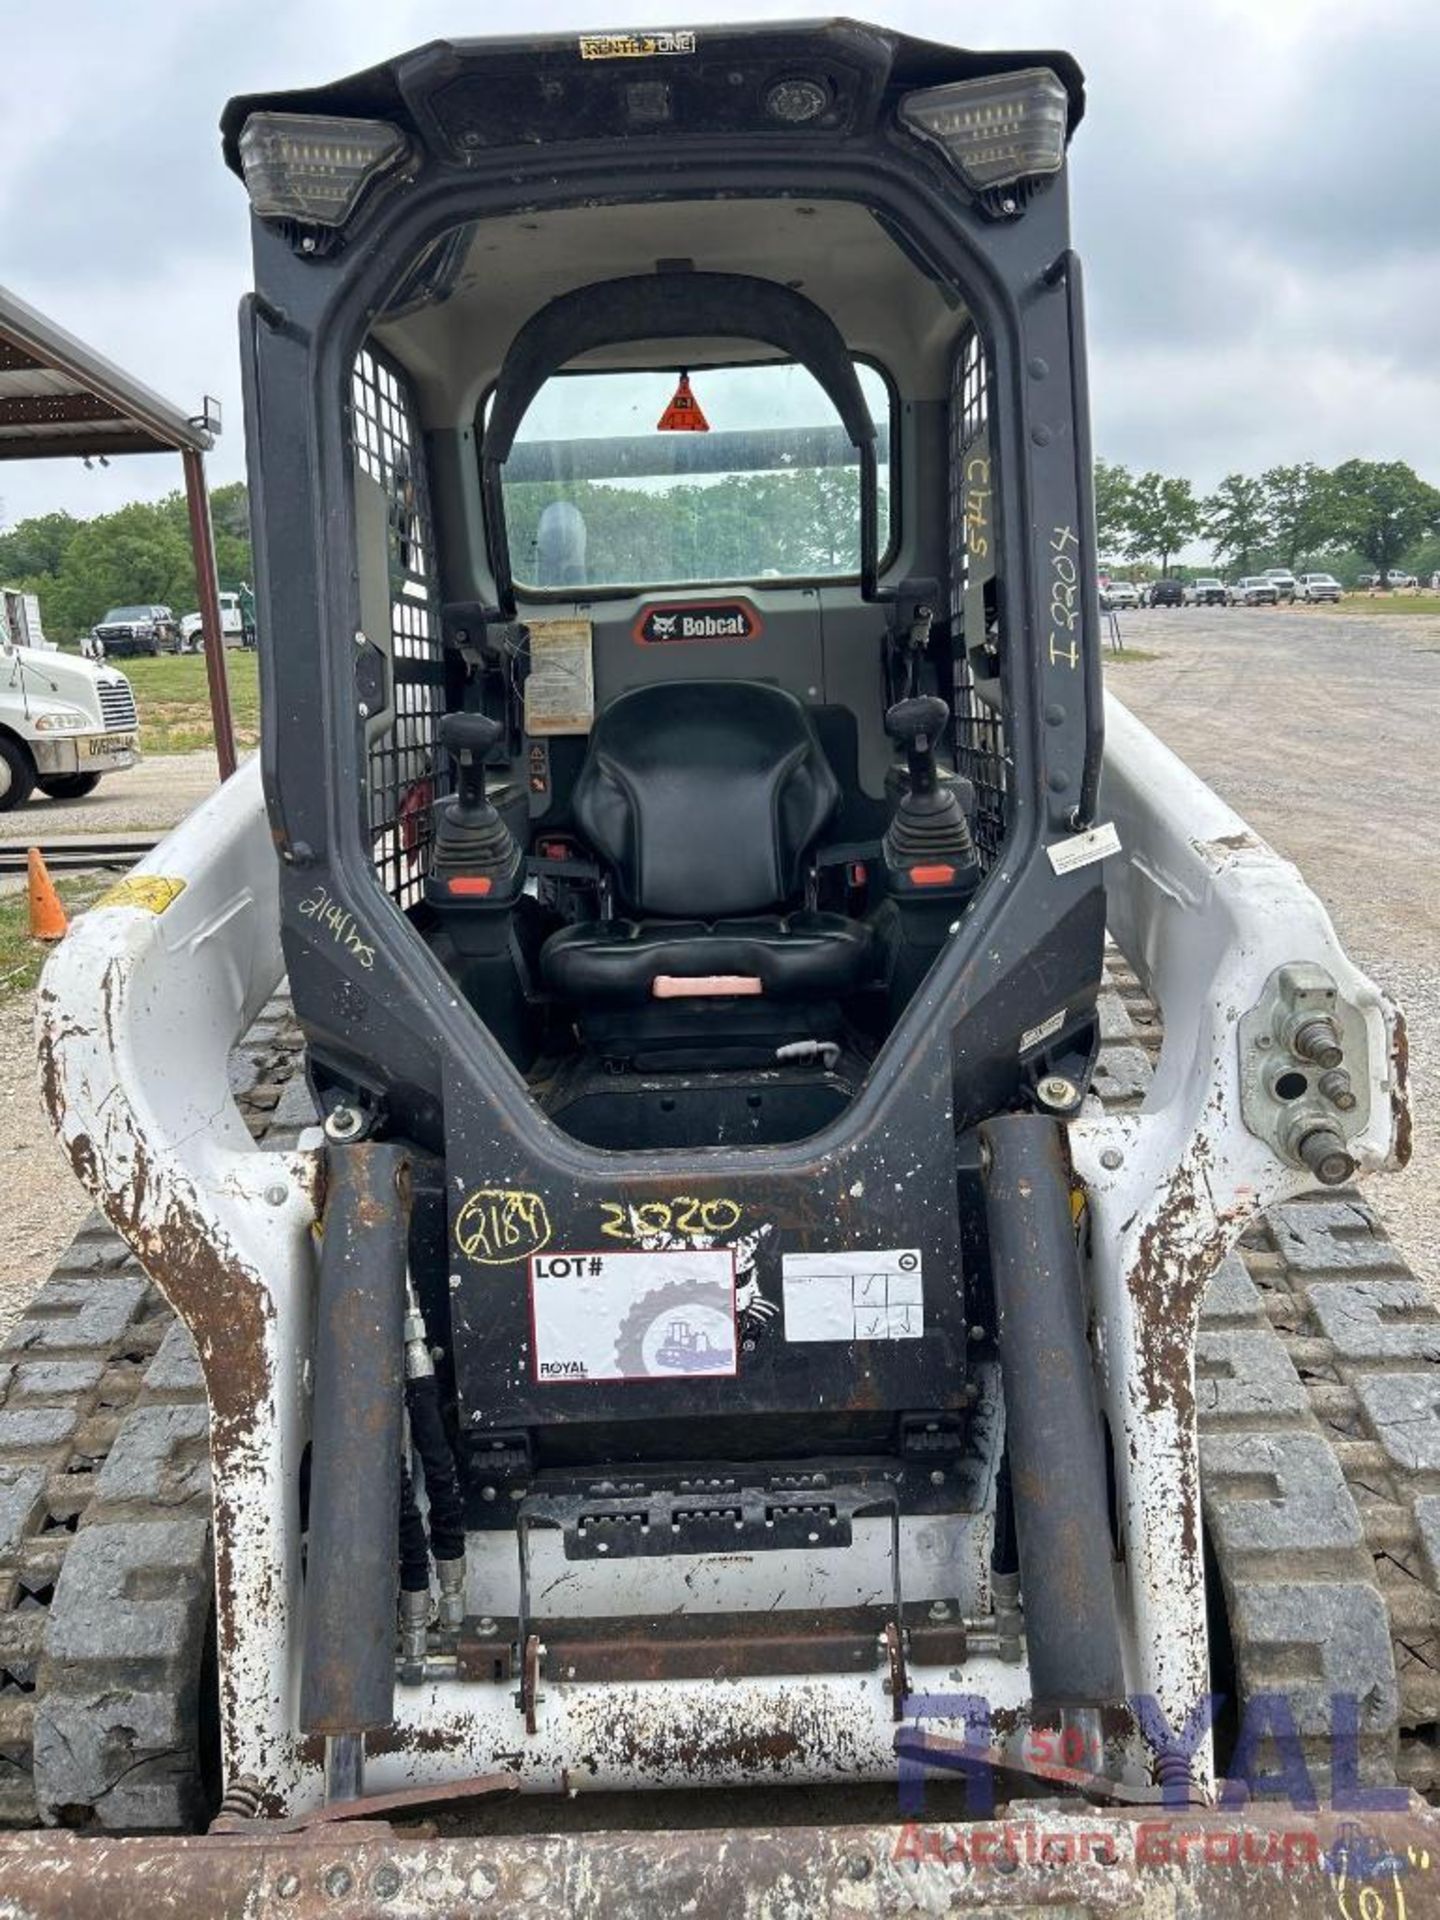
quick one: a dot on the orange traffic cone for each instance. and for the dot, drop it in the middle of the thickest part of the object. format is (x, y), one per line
(47, 916)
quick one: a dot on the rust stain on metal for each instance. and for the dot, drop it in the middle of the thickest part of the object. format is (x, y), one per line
(453, 1737)
(1402, 1121)
(1216, 852)
(1092, 1861)
(714, 1731)
(1175, 1259)
(402, 1802)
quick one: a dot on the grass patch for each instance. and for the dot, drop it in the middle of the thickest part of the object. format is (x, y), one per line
(173, 696)
(1393, 603)
(1123, 656)
(21, 958)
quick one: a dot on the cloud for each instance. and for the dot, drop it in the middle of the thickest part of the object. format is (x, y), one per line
(1253, 192)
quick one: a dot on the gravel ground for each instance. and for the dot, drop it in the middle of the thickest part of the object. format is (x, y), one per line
(155, 794)
(43, 1201)
(1323, 730)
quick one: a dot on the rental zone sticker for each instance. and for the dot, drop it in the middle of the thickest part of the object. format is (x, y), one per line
(853, 1296)
(635, 46)
(633, 1316)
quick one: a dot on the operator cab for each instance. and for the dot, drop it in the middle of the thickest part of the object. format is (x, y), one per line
(688, 811)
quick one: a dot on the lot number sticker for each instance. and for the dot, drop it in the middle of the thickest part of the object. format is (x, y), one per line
(853, 1296)
(633, 1316)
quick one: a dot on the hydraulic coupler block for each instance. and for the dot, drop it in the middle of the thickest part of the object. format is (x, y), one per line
(1305, 1071)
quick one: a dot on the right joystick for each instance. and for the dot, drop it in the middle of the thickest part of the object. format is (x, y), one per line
(469, 739)
(916, 725)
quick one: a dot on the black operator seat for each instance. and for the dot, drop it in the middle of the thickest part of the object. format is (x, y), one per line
(705, 799)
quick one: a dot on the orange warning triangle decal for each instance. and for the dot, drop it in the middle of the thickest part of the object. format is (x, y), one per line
(683, 414)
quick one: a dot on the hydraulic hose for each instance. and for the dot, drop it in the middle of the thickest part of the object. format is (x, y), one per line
(437, 1458)
(352, 1566)
(1052, 1421)
(414, 1559)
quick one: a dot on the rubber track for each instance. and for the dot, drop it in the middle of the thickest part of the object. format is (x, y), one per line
(106, 1583)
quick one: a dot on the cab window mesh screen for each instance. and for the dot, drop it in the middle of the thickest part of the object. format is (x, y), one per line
(406, 772)
(979, 726)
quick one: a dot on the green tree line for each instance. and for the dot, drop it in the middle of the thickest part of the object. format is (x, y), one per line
(743, 526)
(1375, 514)
(139, 554)
(1364, 513)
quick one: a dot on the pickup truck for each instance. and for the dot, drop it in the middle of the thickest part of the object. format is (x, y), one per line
(63, 724)
(1205, 592)
(1285, 583)
(145, 629)
(1319, 586)
(1256, 590)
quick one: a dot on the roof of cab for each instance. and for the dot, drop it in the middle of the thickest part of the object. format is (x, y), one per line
(558, 85)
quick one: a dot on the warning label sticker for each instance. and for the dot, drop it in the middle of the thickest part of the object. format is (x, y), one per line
(560, 687)
(1084, 849)
(684, 413)
(633, 1316)
(853, 1296)
(1032, 1036)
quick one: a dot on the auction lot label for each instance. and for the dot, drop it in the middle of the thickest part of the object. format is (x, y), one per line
(633, 1316)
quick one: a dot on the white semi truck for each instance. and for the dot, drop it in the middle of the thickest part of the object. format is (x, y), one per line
(63, 722)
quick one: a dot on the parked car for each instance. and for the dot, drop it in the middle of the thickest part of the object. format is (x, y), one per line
(138, 630)
(1205, 593)
(232, 626)
(1318, 586)
(1119, 593)
(1398, 578)
(1167, 593)
(1286, 584)
(1255, 590)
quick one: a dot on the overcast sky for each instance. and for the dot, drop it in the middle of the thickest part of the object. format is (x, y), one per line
(1254, 192)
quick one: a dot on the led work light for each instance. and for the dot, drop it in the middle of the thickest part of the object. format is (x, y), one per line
(1007, 127)
(303, 167)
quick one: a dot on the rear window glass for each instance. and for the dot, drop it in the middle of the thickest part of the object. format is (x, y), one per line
(596, 496)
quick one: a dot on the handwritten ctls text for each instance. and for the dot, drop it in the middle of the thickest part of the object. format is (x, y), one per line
(683, 1218)
(341, 924)
(500, 1225)
(1064, 597)
(977, 506)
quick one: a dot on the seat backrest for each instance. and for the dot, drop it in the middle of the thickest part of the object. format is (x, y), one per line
(704, 796)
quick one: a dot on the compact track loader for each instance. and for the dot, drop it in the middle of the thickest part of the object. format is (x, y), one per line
(760, 1383)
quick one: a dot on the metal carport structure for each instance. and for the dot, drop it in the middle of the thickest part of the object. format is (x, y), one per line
(58, 398)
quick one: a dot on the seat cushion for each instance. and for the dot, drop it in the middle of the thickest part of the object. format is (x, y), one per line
(618, 962)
